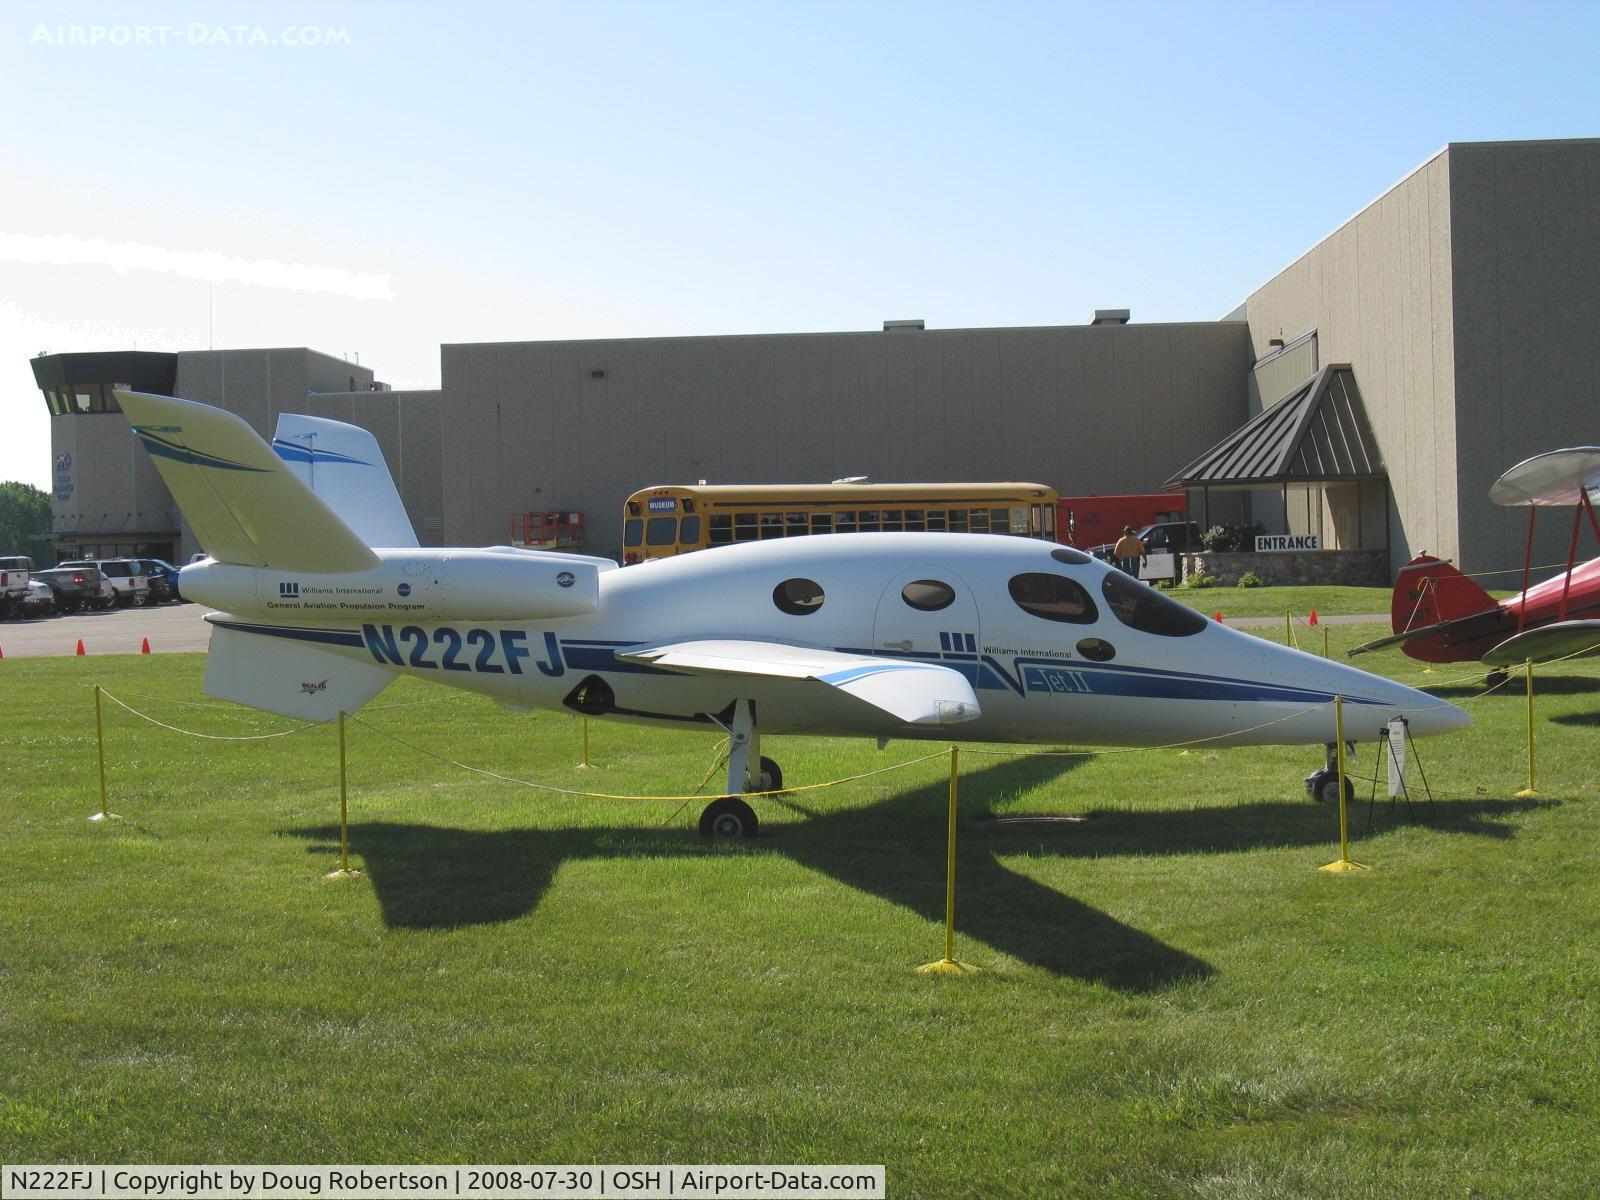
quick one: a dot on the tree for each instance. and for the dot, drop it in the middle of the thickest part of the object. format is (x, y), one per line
(24, 520)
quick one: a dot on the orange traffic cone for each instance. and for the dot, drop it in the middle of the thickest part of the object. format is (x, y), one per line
(80, 650)
(1219, 616)
(1312, 619)
(145, 648)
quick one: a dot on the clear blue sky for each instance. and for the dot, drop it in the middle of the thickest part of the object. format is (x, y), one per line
(520, 171)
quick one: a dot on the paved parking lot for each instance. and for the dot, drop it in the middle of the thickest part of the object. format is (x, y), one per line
(169, 627)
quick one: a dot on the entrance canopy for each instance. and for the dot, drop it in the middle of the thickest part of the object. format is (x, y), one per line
(1318, 433)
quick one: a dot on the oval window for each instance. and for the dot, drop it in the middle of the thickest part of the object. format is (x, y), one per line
(1053, 597)
(1073, 558)
(1097, 650)
(1139, 606)
(929, 595)
(798, 597)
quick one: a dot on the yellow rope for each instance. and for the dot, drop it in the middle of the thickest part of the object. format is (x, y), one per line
(559, 791)
(214, 737)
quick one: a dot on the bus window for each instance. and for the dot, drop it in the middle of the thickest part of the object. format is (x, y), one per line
(689, 533)
(661, 531)
(894, 520)
(978, 520)
(958, 520)
(914, 521)
(744, 527)
(869, 522)
(821, 522)
(721, 529)
(797, 524)
(844, 522)
(936, 520)
(632, 532)
(771, 525)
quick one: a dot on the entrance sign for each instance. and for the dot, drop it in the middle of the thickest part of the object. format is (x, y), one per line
(1287, 541)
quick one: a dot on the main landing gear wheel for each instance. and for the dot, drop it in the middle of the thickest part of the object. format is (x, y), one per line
(1324, 788)
(770, 779)
(729, 817)
(1495, 678)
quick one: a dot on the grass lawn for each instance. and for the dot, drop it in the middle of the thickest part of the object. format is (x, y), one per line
(1173, 1002)
(1329, 601)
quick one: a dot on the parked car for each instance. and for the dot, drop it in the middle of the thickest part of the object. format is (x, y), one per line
(131, 585)
(163, 578)
(78, 587)
(40, 601)
(15, 571)
(1163, 542)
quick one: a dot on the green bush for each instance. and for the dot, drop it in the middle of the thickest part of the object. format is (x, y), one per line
(1231, 539)
(1249, 579)
(1201, 581)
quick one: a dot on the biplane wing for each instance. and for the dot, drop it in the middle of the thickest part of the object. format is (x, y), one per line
(1564, 639)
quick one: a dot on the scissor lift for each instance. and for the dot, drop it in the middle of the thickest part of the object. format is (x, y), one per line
(547, 530)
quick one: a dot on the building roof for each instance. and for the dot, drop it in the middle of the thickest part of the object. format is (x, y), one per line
(1318, 433)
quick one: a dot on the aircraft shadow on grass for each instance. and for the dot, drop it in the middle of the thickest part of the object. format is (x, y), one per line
(1514, 688)
(439, 877)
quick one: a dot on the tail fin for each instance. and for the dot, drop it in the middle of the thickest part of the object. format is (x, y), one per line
(344, 467)
(1429, 591)
(244, 503)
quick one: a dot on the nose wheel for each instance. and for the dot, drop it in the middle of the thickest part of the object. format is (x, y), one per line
(729, 817)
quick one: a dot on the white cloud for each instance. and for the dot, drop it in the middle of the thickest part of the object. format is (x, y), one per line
(68, 250)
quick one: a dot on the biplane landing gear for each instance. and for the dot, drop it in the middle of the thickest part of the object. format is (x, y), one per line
(1322, 784)
(1495, 678)
(731, 817)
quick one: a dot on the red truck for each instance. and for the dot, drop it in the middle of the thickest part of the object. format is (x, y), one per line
(1086, 521)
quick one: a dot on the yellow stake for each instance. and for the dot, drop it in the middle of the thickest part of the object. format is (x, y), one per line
(105, 813)
(1288, 635)
(1529, 791)
(344, 871)
(585, 761)
(948, 964)
(1324, 641)
(1344, 863)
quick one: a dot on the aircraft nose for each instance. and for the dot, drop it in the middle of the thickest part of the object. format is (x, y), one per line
(1367, 695)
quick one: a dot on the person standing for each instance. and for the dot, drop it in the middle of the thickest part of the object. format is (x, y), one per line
(1128, 551)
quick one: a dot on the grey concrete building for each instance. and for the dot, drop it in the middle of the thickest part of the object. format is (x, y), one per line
(1465, 303)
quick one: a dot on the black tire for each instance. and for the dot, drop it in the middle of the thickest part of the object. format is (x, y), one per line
(729, 817)
(771, 777)
(1326, 791)
(1495, 678)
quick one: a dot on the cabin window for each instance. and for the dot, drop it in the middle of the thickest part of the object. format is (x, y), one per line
(798, 597)
(1097, 650)
(633, 532)
(1073, 558)
(929, 595)
(1141, 607)
(1053, 597)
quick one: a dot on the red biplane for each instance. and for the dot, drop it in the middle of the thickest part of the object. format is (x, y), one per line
(1440, 615)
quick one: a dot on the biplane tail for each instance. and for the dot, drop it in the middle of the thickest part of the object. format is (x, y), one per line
(1429, 591)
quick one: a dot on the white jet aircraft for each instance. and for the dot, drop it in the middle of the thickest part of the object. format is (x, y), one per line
(325, 597)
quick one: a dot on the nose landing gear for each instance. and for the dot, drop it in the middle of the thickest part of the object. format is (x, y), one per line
(1322, 784)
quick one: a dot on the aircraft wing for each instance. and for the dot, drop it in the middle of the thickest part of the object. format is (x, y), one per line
(1490, 623)
(918, 693)
(1564, 639)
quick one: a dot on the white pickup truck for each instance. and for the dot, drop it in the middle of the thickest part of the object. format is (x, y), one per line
(131, 586)
(15, 571)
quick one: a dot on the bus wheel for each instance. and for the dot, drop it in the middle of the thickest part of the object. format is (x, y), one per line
(771, 778)
(729, 817)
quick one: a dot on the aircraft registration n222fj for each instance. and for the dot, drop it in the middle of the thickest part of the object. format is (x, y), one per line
(324, 597)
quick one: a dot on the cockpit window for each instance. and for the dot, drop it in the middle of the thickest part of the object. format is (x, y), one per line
(1053, 597)
(1141, 607)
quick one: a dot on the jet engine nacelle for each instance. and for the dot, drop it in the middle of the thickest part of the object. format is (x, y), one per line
(445, 585)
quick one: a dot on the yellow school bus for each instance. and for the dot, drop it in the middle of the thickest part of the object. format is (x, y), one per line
(659, 522)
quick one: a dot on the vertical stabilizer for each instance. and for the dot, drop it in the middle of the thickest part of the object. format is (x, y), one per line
(342, 464)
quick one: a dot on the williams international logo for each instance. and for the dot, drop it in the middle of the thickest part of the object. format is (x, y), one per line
(288, 591)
